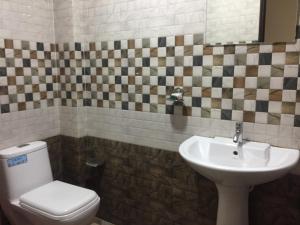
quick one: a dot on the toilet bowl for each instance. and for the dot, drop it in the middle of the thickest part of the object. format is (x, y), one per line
(29, 196)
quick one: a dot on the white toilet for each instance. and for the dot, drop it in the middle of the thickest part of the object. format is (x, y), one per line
(29, 196)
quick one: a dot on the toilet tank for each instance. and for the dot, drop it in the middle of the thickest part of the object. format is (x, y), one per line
(23, 168)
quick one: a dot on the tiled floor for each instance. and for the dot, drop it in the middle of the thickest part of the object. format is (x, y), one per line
(98, 221)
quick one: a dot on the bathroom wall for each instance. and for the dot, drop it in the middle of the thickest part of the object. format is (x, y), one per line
(253, 83)
(63, 20)
(131, 79)
(27, 20)
(94, 20)
(123, 97)
(29, 96)
(127, 83)
(124, 19)
(70, 22)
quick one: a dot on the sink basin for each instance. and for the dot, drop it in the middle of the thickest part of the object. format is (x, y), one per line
(235, 169)
(222, 161)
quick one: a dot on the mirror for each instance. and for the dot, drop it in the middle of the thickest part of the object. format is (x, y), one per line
(251, 21)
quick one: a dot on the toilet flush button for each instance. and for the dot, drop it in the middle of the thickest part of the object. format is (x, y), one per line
(18, 160)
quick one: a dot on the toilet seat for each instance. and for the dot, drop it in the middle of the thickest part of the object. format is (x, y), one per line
(59, 201)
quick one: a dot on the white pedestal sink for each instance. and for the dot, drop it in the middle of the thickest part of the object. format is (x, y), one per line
(235, 170)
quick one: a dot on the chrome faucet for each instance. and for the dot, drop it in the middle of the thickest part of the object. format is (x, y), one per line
(238, 137)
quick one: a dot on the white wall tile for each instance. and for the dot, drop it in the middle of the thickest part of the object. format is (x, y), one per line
(27, 20)
(124, 19)
(164, 131)
(21, 127)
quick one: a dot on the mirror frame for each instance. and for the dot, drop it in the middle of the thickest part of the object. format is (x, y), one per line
(262, 21)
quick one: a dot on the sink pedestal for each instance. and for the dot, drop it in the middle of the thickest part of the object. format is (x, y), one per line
(233, 205)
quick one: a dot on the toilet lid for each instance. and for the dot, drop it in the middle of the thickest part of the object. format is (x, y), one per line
(58, 199)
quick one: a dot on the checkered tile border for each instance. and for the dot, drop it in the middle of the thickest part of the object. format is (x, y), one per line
(71, 70)
(28, 75)
(252, 83)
